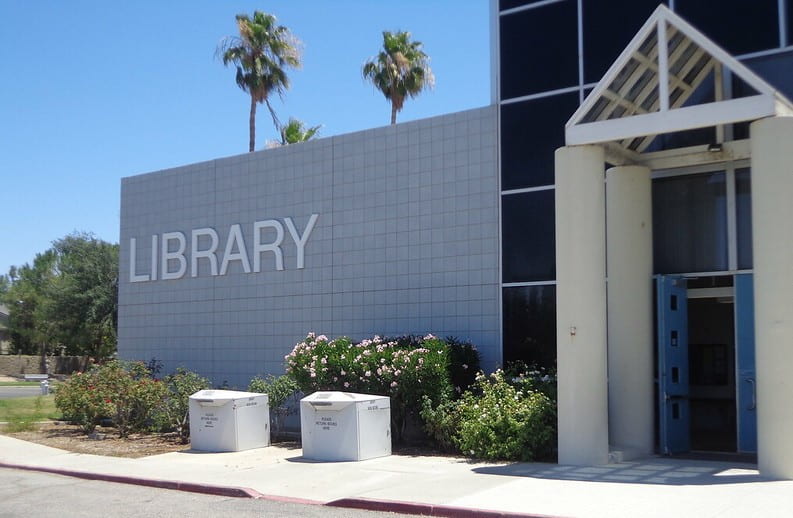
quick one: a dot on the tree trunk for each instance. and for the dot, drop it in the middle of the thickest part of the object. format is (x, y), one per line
(393, 113)
(252, 125)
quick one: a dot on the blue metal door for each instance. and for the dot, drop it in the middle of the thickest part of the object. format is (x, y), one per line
(673, 383)
(747, 393)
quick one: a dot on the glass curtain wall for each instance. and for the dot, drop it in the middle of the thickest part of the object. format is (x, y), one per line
(551, 53)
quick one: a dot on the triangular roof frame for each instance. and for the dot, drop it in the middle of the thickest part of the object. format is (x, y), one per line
(666, 117)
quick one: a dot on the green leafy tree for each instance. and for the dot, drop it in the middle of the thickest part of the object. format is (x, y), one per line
(5, 285)
(68, 296)
(400, 70)
(26, 299)
(262, 53)
(83, 298)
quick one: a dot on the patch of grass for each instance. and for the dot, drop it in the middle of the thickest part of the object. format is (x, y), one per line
(19, 383)
(22, 414)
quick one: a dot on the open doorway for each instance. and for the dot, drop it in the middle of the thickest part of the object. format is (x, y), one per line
(711, 358)
(706, 365)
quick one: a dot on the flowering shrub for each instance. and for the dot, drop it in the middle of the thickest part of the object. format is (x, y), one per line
(463, 364)
(531, 378)
(406, 373)
(131, 393)
(124, 392)
(82, 401)
(497, 419)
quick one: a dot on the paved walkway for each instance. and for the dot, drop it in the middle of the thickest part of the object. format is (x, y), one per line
(440, 485)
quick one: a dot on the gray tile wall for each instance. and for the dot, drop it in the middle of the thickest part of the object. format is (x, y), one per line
(406, 242)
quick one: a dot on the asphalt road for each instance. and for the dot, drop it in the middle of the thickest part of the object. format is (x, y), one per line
(15, 392)
(27, 493)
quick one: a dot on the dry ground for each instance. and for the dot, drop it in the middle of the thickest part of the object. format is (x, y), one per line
(71, 438)
(58, 434)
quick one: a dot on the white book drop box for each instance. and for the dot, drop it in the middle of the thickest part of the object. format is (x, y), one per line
(342, 426)
(227, 420)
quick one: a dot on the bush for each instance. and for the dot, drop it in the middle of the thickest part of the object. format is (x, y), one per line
(405, 370)
(532, 378)
(463, 364)
(497, 419)
(124, 392)
(281, 396)
(132, 394)
(82, 400)
(174, 411)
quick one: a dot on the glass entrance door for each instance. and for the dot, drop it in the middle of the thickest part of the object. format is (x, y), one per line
(746, 385)
(706, 373)
(673, 379)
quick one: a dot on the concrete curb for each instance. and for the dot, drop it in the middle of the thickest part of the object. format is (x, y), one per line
(229, 491)
(396, 506)
(367, 504)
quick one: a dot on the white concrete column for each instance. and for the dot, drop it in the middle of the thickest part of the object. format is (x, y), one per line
(772, 215)
(581, 305)
(629, 254)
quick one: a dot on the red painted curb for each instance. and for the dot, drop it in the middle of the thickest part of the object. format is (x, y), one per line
(393, 506)
(229, 491)
(396, 506)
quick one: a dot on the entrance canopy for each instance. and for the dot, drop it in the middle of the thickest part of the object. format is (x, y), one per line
(670, 78)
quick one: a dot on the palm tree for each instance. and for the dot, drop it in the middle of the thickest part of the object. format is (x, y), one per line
(400, 70)
(262, 52)
(296, 131)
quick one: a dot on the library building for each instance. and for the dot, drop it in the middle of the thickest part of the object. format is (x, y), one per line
(620, 212)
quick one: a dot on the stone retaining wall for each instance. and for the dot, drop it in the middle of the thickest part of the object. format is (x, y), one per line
(14, 365)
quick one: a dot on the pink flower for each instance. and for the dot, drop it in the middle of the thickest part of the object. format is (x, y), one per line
(393, 384)
(367, 373)
(346, 384)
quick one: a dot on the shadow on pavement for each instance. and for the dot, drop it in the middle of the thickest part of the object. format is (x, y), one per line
(672, 472)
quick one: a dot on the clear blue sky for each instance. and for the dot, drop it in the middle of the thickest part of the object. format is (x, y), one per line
(93, 91)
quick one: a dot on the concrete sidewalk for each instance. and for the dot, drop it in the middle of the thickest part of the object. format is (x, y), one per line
(440, 486)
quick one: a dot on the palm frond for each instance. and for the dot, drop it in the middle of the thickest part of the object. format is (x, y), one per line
(400, 70)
